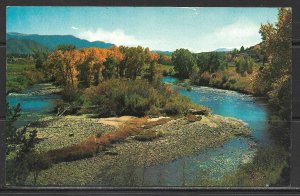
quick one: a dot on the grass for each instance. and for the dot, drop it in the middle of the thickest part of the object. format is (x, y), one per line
(21, 75)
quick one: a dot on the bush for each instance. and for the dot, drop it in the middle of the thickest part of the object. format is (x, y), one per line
(34, 77)
(134, 97)
(70, 93)
(224, 78)
(232, 81)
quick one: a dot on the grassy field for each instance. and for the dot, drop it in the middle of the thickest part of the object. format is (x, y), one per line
(21, 76)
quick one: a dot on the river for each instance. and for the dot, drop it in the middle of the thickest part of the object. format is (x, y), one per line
(35, 102)
(211, 164)
(215, 163)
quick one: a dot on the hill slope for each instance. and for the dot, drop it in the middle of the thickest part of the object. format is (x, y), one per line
(15, 46)
(52, 41)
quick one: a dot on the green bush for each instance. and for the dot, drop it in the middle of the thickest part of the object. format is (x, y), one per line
(225, 78)
(134, 97)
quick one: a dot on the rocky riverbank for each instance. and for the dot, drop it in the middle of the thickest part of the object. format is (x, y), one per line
(179, 137)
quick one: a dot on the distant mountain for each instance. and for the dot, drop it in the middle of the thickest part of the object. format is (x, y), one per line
(163, 52)
(15, 46)
(222, 50)
(52, 41)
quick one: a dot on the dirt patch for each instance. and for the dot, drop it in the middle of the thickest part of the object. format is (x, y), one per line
(115, 121)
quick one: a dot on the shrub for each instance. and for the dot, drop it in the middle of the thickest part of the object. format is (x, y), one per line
(224, 78)
(176, 105)
(34, 77)
(134, 97)
(232, 81)
(70, 93)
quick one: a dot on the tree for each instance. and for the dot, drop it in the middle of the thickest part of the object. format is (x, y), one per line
(110, 67)
(242, 50)
(164, 59)
(40, 57)
(66, 47)
(21, 142)
(275, 78)
(184, 61)
(214, 62)
(241, 65)
(152, 72)
(133, 61)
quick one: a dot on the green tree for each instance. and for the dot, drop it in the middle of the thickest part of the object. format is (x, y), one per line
(20, 142)
(242, 50)
(214, 62)
(66, 47)
(40, 57)
(184, 61)
(110, 67)
(133, 61)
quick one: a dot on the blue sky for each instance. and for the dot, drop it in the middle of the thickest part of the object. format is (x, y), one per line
(169, 28)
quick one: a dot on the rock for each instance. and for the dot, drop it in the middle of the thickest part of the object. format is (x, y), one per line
(111, 153)
(196, 112)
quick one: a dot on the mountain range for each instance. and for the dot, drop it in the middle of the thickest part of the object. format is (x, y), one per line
(47, 41)
(19, 43)
(15, 46)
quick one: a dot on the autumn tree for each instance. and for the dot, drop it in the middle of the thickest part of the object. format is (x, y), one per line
(62, 66)
(91, 65)
(152, 73)
(275, 78)
(164, 59)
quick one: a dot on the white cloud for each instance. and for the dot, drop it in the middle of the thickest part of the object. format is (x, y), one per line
(117, 37)
(75, 28)
(241, 33)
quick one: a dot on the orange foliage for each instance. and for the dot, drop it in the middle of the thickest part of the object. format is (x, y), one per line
(86, 65)
(93, 144)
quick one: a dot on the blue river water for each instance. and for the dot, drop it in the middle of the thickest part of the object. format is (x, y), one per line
(212, 164)
(33, 105)
(194, 170)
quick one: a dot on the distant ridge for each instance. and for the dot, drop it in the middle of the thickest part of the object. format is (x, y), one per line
(52, 41)
(222, 50)
(169, 53)
(15, 46)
